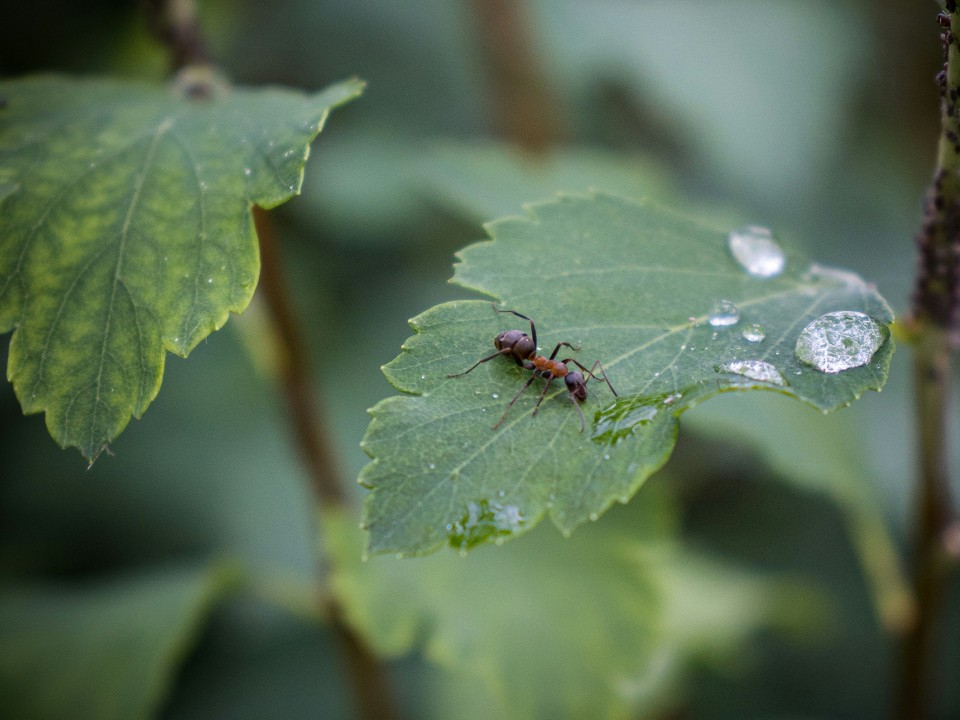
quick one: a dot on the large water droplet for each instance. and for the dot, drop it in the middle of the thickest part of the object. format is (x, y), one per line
(755, 249)
(754, 370)
(754, 333)
(839, 341)
(724, 314)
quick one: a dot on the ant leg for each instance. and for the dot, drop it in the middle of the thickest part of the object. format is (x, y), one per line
(577, 406)
(488, 358)
(546, 387)
(553, 355)
(533, 328)
(590, 372)
(510, 404)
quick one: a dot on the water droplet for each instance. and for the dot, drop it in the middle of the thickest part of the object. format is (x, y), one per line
(839, 341)
(210, 281)
(606, 456)
(432, 466)
(753, 333)
(423, 377)
(724, 314)
(495, 396)
(203, 185)
(482, 522)
(754, 370)
(247, 171)
(755, 249)
(621, 419)
(594, 517)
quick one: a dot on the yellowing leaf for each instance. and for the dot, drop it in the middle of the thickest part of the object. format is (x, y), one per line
(125, 232)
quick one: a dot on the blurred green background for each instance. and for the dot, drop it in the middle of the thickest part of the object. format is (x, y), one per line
(816, 118)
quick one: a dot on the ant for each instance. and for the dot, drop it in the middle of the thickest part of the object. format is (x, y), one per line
(522, 348)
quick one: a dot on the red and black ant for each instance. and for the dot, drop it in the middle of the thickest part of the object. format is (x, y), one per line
(522, 348)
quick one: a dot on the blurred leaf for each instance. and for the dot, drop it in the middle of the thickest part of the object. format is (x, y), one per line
(104, 650)
(548, 628)
(129, 232)
(738, 116)
(825, 455)
(633, 285)
(487, 180)
(545, 626)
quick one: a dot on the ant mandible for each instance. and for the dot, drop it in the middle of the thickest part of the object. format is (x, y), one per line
(522, 348)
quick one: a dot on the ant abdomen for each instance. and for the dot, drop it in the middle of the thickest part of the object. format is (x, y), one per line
(517, 343)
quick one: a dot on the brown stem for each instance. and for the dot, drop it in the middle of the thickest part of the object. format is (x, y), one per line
(294, 371)
(527, 113)
(369, 680)
(176, 25)
(932, 521)
(935, 319)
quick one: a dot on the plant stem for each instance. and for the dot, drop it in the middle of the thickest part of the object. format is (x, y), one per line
(527, 113)
(935, 319)
(368, 677)
(175, 24)
(294, 370)
(932, 518)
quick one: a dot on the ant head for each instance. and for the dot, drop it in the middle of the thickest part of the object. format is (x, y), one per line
(517, 342)
(576, 385)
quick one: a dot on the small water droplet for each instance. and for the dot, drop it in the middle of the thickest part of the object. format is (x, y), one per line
(754, 333)
(432, 466)
(839, 341)
(247, 171)
(203, 185)
(210, 281)
(724, 314)
(606, 456)
(594, 517)
(423, 377)
(756, 250)
(754, 370)
(501, 493)
(495, 396)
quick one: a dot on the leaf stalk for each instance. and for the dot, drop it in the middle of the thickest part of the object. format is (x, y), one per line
(934, 324)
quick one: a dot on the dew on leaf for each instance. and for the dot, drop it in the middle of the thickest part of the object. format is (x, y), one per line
(482, 522)
(839, 341)
(754, 370)
(618, 421)
(756, 250)
(754, 333)
(724, 314)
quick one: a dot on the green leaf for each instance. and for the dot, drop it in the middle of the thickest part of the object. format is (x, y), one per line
(543, 628)
(510, 620)
(630, 284)
(102, 651)
(127, 232)
(484, 180)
